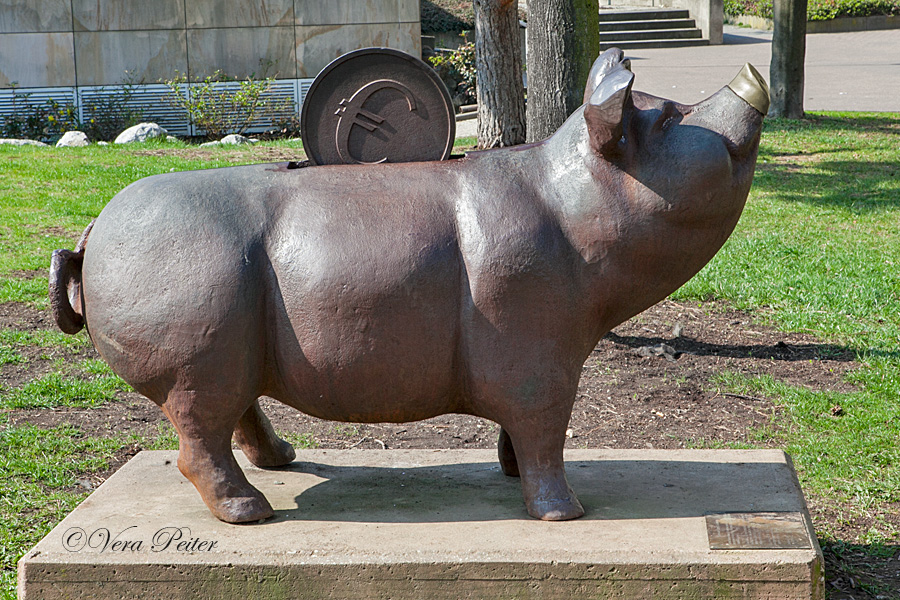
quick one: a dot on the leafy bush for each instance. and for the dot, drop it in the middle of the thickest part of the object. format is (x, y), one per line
(447, 15)
(823, 10)
(112, 111)
(753, 8)
(452, 15)
(457, 70)
(817, 10)
(220, 109)
(44, 121)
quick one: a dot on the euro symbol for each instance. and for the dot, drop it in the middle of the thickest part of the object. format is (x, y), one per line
(352, 113)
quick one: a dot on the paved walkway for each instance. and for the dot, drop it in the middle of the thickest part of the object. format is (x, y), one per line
(844, 71)
(857, 71)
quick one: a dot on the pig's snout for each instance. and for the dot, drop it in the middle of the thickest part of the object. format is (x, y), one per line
(736, 112)
(750, 86)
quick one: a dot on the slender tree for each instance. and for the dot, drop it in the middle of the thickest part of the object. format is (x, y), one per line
(788, 59)
(563, 42)
(498, 62)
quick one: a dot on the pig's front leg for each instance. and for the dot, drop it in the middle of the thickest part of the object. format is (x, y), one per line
(533, 406)
(538, 441)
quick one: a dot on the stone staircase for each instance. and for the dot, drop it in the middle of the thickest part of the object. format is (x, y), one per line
(648, 28)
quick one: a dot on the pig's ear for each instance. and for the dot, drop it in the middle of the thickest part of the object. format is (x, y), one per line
(605, 109)
(607, 62)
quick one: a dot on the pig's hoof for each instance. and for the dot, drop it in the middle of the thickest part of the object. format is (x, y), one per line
(556, 510)
(242, 509)
(280, 453)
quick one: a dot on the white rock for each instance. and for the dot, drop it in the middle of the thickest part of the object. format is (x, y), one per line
(171, 138)
(140, 133)
(208, 144)
(73, 139)
(103, 143)
(12, 142)
(234, 138)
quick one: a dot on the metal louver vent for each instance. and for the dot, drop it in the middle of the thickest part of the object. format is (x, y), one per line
(304, 85)
(25, 99)
(151, 102)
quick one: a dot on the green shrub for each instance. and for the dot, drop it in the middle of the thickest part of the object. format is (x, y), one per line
(447, 15)
(817, 10)
(112, 112)
(457, 70)
(44, 121)
(824, 10)
(220, 110)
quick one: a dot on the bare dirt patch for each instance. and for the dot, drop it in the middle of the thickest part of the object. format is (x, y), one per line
(234, 155)
(37, 361)
(648, 384)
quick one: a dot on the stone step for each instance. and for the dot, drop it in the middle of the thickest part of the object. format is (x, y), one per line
(654, 24)
(642, 15)
(650, 34)
(661, 43)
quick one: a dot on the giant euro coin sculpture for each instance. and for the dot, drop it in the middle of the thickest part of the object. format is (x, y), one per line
(377, 105)
(398, 292)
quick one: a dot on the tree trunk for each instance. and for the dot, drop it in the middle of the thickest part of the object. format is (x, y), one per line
(788, 58)
(563, 41)
(498, 63)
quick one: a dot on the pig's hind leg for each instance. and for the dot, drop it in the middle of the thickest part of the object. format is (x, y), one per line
(257, 438)
(205, 421)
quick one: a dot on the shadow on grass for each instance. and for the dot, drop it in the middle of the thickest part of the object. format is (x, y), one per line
(860, 186)
(816, 173)
(861, 571)
(777, 351)
(837, 122)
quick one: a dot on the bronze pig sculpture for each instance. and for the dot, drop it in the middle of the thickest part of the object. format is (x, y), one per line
(399, 292)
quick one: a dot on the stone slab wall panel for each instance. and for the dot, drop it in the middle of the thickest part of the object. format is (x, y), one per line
(91, 15)
(319, 45)
(242, 52)
(104, 57)
(228, 13)
(339, 12)
(94, 42)
(839, 25)
(35, 16)
(37, 60)
(75, 47)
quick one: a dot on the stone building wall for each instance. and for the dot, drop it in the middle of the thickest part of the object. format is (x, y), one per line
(69, 47)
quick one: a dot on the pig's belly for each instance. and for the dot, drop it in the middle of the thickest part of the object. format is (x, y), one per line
(368, 342)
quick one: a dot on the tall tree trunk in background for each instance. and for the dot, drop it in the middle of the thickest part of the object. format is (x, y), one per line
(788, 59)
(498, 62)
(563, 42)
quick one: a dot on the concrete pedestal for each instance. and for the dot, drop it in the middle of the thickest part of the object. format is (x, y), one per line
(443, 525)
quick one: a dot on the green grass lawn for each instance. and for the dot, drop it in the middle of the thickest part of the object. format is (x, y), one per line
(817, 251)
